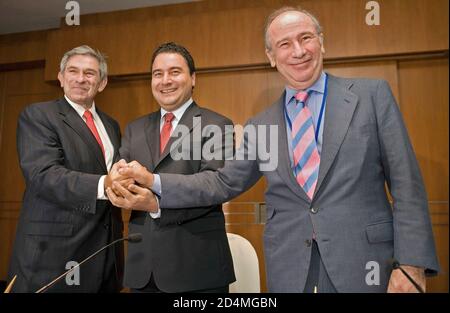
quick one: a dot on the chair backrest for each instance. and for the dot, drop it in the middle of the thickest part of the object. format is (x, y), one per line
(246, 265)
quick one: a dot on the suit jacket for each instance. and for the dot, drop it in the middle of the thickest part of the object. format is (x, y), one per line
(61, 219)
(185, 249)
(365, 145)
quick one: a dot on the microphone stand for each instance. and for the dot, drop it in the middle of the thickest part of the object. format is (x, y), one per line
(131, 238)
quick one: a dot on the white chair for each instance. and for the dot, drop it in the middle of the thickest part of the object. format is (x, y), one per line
(246, 265)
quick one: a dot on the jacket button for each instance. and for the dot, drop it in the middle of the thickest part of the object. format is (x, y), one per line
(314, 210)
(308, 242)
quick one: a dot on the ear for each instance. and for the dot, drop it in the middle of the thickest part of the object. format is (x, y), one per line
(193, 80)
(61, 79)
(271, 58)
(103, 84)
(322, 47)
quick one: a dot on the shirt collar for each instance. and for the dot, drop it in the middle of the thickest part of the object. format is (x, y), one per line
(180, 111)
(79, 108)
(318, 86)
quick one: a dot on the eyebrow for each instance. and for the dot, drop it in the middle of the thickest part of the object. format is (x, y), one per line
(170, 69)
(301, 34)
(84, 70)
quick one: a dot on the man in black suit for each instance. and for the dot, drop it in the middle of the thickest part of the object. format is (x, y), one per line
(66, 148)
(183, 250)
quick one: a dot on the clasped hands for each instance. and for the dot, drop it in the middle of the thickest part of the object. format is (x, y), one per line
(128, 186)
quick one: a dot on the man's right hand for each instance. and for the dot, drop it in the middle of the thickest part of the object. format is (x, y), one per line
(114, 175)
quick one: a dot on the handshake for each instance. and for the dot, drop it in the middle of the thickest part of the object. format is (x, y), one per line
(128, 186)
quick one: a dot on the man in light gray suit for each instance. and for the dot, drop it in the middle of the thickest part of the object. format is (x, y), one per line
(330, 226)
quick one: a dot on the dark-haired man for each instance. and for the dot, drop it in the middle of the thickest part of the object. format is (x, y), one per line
(183, 250)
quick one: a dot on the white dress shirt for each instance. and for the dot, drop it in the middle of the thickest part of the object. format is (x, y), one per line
(178, 113)
(107, 144)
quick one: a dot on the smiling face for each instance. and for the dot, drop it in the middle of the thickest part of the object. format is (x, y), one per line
(172, 82)
(296, 50)
(81, 79)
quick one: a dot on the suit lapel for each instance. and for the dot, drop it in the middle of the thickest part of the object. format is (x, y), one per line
(73, 120)
(284, 163)
(341, 104)
(186, 120)
(151, 130)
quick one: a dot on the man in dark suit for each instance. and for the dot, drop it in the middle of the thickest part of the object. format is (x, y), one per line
(66, 148)
(183, 250)
(330, 226)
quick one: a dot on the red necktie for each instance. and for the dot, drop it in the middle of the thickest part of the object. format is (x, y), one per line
(166, 130)
(90, 123)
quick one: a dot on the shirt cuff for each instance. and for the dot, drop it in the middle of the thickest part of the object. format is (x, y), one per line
(156, 188)
(101, 189)
(157, 214)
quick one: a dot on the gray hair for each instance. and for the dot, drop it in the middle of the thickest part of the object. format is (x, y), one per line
(285, 9)
(86, 50)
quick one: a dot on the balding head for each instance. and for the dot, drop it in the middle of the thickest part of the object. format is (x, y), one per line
(295, 47)
(282, 11)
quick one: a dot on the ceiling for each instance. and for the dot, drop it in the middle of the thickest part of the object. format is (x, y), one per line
(29, 15)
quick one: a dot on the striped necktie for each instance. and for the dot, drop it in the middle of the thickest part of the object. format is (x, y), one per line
(306, 155)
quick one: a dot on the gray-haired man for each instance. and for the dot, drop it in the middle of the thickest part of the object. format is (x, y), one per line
(66, 147)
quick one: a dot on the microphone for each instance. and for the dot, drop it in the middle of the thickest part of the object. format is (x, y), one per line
(137, 237)
(131, 238)
(396, 265)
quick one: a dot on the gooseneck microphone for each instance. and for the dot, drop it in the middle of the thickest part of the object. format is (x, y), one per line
(396, 265)
(131, 238)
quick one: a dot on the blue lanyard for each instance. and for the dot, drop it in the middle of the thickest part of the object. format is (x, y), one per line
(322, 106)
(322, 109)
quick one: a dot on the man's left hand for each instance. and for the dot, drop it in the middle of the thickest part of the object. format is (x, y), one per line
(133, 198)
(399, 283)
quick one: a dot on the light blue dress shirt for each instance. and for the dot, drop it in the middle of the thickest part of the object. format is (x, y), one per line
(314, 103)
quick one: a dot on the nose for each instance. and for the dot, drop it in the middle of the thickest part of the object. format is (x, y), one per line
(80, 78)
(298, 50)
(166, 79)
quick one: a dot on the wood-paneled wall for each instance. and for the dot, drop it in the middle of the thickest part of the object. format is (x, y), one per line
(18, 89)
(229, 33)
(409, 49)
